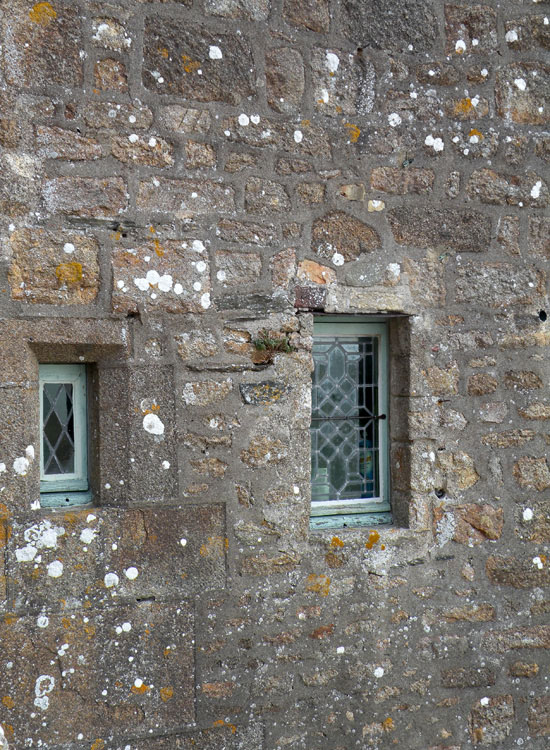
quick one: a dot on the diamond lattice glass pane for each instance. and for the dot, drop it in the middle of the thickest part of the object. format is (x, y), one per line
(58, 430)
(344, 435)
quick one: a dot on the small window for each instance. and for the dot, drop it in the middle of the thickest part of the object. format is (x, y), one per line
(349, 425)
(64, 436)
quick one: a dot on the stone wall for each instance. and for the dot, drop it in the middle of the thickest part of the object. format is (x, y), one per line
(180, 179)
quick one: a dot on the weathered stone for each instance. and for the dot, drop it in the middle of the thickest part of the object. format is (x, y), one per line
(508, 234)
(472, 143)
(246, 232)
(442, 381)
(500, 641)
(342, 83)
(522, 93)
(85, 196)
(522, 380)
(170, 276)
(437, 74)
(311, 14)
(532, 472)
(481, 384)
(464, 677)
(53, 268)
(539, 236)
(499, 284)
(199, 155)
(469, 524)
(237, 268)
(478, 73)
(262, 565)
(304, 139)
(459, 469)
(516, 150)
(175, 50)
(206, 392)
(283, 266)
(236, 162)
(498, 189)
(539, 717)
(524, 669)
(265, 197)
(529, 32)
(284, 77)
(400, 181)
(470, 29)
(196, 344)
(470, 613)
(43, 43)
(517, 573)
(255, 10)
(535, 410)
(184, 198)
(492, 722)
(340, 237)
(467, 108)
(355, 193)
(57, 143)
(150, 151)
(117, 117)
(184, 119)
(212, 467)
(9, 133)
(463, 231)
(266, 392)
(263, 451)
(110, 75)
(508, 438)
(292, 166)
(377, 25)
(110, 34)
(542, 148)
(308, 270)
(310, 193)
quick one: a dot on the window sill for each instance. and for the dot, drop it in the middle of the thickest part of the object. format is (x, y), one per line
(64, 499)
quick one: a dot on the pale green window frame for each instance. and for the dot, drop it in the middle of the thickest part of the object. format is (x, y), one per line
(64, 482)
(370, 505)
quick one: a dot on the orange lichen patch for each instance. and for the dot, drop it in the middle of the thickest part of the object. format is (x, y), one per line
(374, 537)
(8, 701)
(318, 584)
(167, 651)
(72, 517)
(354, 132)
(223, 723)
(323, 632)
(69, 273)
(189, 65)
(65, 621)
(116, 236)
(158, 249)
(98, 744)
(89, 630)
(382, 546)
(36, 573)
(305, 123)
(336, 542)
(42, 13)
(140, 690)
(10, 619)
(473, 132)
(215, 546)
(8, 731)
(338, 109)
(118, 684)
(166, 694)
(388, 724)
(164, 53)
(464, 106)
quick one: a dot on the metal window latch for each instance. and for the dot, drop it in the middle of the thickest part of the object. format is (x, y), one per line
(380, 416)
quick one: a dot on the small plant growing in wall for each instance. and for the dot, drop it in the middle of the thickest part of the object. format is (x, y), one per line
(268, 343)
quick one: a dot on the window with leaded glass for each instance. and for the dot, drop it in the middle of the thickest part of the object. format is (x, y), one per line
(63, 435)
(349, 424)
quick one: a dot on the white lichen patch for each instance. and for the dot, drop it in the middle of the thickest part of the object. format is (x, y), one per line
(460, 46)
(42, 687)
(87, 536)
(394, 119)
(338, 259)
(332, 61)
(535, 190)
(436, 143)
(110, 580)
(527, 514)
(537, 561)
(131, 573)
(511, 36)
(214, 52)
(43, 535)
(153, 424)
(298, 136)
(243, 120)
(55, 569)
(520, 83)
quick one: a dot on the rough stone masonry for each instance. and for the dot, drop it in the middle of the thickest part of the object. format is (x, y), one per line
(179, 178)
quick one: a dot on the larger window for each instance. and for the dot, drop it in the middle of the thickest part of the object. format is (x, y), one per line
(64, 436)
(349, 424)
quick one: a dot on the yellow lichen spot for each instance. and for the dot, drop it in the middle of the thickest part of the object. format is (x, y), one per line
(164, 52)
(152, 230)
(89, 630)
(336, 542)
(464, 106)
(140, 689)
(388, 724)
(318, 584)
(305, 123)
(331, 74)
(65, 621)
(10, 619)
(69, 273)
(118, 684)
(117, 236)
(474, 132)
(382, 546)
(166, 694)
(8, 731)
(42, 14)
(214, 546)
(338, 109)
(8, 701)
(167, 651)
(374, 536)
(35, 573)
(189, 65)
(158, 249)
(223, 723)
(354, 132)
(98, 744)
